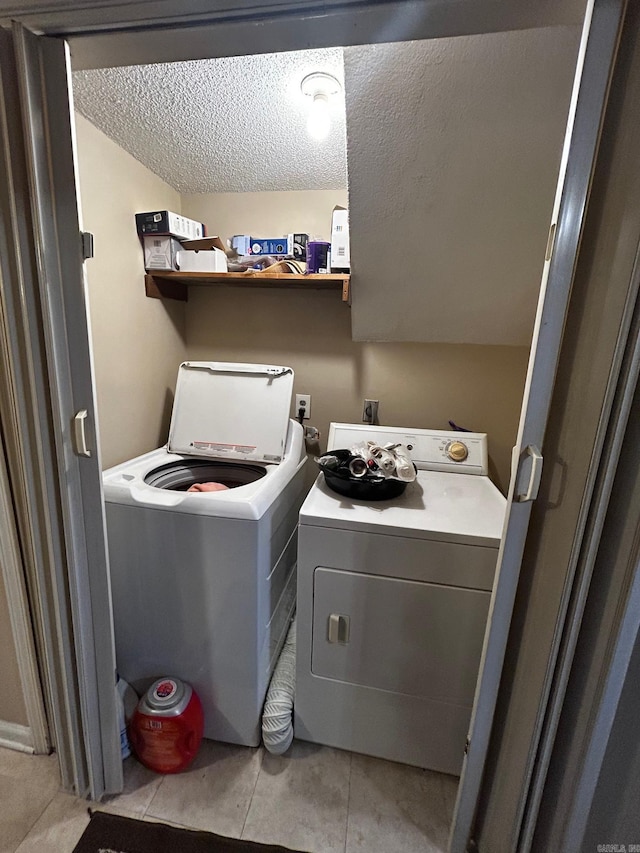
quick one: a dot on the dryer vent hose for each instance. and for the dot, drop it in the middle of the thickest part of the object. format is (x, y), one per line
(277, 716)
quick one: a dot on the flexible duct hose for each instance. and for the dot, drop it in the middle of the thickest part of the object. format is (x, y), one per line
(277, 716)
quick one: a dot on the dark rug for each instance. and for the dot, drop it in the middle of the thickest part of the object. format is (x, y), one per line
(108, 833)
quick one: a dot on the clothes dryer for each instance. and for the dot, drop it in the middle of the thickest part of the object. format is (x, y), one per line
(203, 583)
(393, 598)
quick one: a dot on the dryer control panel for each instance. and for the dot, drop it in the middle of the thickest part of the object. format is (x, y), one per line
(431, 450)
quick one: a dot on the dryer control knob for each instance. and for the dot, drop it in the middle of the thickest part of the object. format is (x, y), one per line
(457, 451)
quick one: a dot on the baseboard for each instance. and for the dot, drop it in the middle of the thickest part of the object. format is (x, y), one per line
(14, 736)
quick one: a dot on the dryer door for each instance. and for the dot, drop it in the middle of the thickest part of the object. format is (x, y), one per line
(417, 639)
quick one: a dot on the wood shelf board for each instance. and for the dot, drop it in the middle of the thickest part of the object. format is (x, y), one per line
(174, 285)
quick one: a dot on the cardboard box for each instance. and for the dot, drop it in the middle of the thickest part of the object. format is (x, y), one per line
(206, 244)
(272, 246)
(290, 246)
(166, 222)
(297, 246)
(241, 243)
(340, 249)
(160, 252)
(203, 260)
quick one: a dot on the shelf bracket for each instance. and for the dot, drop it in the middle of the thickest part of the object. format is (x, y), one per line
(160, 288)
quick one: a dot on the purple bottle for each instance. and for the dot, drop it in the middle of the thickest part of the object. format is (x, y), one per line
(318, 256)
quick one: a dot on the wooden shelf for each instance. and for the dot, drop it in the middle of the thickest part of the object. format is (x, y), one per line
(175, 285)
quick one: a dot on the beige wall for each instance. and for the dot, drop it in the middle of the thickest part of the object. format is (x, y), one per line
(418, 385)
(12, 707)
(265, 214)
(138, 342)
(453, 148)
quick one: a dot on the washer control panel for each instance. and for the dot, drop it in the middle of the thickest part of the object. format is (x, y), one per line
(430, 450)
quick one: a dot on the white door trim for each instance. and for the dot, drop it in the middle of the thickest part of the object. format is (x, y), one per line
(24, 402)
(44, 72)
(58, 495)
(35, 735)
(15, 736)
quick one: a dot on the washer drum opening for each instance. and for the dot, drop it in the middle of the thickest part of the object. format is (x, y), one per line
(180, 476)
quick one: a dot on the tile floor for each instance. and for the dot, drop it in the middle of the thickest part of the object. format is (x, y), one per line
(314, 799)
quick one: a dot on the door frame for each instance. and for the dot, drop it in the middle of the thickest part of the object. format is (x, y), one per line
(249, 35)
(49, 378)
(104, 33)
(579, 548)
(35, 736)
(594, 71)
(594, 648)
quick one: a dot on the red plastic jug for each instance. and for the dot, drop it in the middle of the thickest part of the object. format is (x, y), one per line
(166, 729)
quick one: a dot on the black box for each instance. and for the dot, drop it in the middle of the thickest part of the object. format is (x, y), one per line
(166, 222)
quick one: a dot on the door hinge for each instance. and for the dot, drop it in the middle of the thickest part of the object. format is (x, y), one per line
(466, 746)
(87, 245)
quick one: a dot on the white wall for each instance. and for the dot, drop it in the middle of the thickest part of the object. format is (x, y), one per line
(453, 147)
(138, 342)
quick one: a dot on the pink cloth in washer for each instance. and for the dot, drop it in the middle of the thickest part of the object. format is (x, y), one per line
(208, 487)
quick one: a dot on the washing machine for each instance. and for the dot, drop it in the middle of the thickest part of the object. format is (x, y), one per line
(393, 598)
(203, 583)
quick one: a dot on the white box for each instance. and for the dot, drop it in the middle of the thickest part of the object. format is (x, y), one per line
(340, 250)
(160, 252)
(212, 260)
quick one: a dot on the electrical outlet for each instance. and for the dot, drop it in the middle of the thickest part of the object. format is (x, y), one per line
(370, 412)
(303, 401)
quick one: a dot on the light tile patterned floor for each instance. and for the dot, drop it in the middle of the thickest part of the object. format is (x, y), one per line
(314, 799)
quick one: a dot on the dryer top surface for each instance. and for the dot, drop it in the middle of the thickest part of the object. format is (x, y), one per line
(462, 508)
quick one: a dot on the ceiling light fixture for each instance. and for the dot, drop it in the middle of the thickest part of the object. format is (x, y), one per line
(319, 86)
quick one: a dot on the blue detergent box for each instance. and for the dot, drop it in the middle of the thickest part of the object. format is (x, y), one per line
(291, 245)
(262, 246)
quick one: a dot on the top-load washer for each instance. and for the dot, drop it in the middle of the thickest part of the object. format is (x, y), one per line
(203, 583)
(393, 598)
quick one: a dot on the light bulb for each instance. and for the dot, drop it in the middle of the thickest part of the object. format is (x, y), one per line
(319, 121)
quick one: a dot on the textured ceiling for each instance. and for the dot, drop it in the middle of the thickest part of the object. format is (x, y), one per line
(221, 125)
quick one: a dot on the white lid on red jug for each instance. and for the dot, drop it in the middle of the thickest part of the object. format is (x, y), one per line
(166, 696)
(231, 411)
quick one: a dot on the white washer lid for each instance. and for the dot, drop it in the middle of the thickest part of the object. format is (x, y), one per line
(231, 411)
